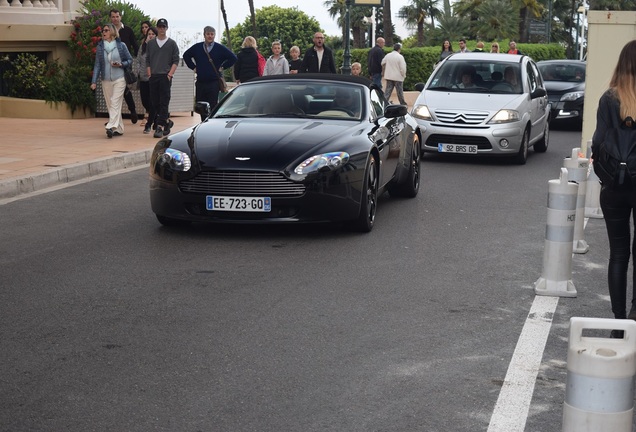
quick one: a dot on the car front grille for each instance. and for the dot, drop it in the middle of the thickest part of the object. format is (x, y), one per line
(482, 143)
(242, 183)
(461, 117)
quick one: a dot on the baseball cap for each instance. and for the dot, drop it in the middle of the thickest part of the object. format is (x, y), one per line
(162, 22)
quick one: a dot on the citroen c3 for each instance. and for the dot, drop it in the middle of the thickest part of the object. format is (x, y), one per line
(484, 104)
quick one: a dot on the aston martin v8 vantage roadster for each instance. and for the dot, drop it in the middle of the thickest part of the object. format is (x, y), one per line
(288, 149)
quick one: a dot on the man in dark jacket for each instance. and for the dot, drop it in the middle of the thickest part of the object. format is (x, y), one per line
(318, 58)
(127, 36)
(208, 59)
(374, 62)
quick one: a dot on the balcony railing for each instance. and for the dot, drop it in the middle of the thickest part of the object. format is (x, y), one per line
(30, 4)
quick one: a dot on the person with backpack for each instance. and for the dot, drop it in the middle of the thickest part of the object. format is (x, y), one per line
(614, 161)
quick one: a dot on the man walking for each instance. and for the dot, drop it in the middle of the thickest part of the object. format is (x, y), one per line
(394, 73)
(208, 59)
(318, 58)
(127, 36)
(374, 62)
(163, 58)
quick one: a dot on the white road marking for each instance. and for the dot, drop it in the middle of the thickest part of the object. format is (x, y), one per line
(511, 410)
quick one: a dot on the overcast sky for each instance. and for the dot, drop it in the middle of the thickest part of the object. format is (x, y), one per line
(191, 16)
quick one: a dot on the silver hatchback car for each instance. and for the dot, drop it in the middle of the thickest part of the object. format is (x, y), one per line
(484, 104)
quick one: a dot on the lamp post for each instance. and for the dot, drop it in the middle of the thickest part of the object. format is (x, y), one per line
(576, 45)
(582, 10)
(346, 67)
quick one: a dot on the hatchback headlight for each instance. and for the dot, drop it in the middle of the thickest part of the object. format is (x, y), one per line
(422, 112)
(175, 159)
(572, 96)
(325, 161)
(505, 116)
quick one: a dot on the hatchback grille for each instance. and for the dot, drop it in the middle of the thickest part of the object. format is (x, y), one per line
(241, 183)
(461, 117)
(482, 143)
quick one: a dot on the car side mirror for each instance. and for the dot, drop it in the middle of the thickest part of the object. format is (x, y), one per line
(539, 92)
(202, 108)
(392, 111)
(419, 87)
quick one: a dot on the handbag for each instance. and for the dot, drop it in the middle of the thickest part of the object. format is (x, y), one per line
(222, 83)
(130, 76)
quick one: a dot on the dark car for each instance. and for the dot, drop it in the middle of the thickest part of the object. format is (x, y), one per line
(565, 83)
(288, 149)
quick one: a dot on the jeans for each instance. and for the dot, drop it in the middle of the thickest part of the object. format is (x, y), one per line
(160, 87)
(618, 208)
(377, 80)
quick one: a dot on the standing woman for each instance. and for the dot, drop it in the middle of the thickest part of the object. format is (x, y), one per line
(494, 48)
(144, 80)
(111, 58)
(246, 66)
(615, 132)
(447, 49)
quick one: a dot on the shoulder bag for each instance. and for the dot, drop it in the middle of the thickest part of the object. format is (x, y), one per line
(222, 83)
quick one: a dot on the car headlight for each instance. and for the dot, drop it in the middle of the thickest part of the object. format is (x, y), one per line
(505, 116)
(572, 96)
(175, 159)
(325, 161)
(422, 112)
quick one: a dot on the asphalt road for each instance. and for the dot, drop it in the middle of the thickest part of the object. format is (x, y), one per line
(109, 321)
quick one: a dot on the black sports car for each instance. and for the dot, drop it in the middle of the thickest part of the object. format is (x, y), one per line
(565, 83)
(288, 148)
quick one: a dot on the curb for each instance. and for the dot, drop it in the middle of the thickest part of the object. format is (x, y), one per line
(13, 187)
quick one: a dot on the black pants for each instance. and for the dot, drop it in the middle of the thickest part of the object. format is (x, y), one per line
(207, 91)
(144, 92)
(618, 210)
(160, 87)
(130, 102)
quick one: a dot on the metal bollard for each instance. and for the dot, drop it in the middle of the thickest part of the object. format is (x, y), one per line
(556, 278)
(599, 394)
(592, 195)
(577, 172)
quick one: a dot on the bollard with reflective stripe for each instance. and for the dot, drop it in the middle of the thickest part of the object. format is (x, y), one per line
(577, 172)
(556, 278)
(599, 394)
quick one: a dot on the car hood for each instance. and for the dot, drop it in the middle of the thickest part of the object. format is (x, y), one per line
(561, 87)
(460, 101)
(264, 144)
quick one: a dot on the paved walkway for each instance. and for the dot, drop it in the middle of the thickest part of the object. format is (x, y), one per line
(39, 154)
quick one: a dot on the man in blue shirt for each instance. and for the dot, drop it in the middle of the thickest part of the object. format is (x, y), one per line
(208, 60)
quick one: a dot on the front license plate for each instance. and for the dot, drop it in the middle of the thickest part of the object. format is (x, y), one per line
(238, 204)
(456, 148)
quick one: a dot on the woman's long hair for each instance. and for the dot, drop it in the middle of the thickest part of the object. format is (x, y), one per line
(624, 80)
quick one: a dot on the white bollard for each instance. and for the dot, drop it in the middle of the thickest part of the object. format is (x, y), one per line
(592, 195)
(599, 395)
(577, 172)
(556, 278)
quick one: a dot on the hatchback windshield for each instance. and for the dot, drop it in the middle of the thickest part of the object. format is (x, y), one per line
(297, 99)
(484, 76)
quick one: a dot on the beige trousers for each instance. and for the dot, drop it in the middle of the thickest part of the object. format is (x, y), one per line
(114, 96)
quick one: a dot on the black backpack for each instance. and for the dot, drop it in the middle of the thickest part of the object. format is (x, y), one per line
(615, 163)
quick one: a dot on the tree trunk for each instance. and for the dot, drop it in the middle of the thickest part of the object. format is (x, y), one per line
(227, 27)
(253, 18)
(420, 33)
(387, 23)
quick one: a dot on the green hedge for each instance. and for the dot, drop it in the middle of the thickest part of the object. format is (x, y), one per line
(421, 61)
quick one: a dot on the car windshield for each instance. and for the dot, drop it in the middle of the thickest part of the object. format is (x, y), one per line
(477, 76)
(564, 72)
(293, 99)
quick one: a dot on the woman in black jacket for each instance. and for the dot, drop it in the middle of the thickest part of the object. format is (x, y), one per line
(615, 134)
(246, 66)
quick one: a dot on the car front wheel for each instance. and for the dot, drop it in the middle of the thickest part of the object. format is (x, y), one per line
(522, 156)
(369, 199)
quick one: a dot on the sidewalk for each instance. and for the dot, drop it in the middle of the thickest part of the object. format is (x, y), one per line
(39, 154)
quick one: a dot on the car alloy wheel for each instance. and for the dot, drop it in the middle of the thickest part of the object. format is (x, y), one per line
(369, 198)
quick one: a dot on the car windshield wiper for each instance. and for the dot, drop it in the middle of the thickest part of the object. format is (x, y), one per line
(284, 114)
(440, 88)
(232, 115)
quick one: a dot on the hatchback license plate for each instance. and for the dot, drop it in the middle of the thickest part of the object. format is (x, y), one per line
(238, 204)
(457, 148)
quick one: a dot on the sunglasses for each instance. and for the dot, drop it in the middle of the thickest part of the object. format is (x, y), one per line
(105, 30)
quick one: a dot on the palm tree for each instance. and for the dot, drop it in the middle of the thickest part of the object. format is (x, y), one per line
(227, 27)
(413, 16)
(495, 21)
(451, 27)
(337, 9)
(527, 8)
(387, 23)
